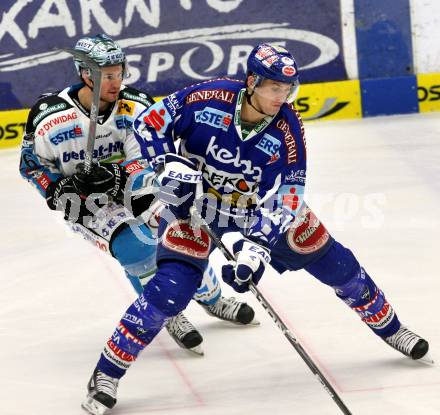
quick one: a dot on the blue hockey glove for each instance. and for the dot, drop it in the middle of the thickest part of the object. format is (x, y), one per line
(178, 184)
(251, 261)
(104, 178)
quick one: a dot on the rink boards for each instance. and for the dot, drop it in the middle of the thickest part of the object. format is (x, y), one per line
(320, 101)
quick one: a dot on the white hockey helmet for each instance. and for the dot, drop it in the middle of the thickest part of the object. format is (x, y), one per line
(103, 50)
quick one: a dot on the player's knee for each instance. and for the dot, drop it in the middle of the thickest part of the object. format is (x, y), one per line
(173, 286)
(358, 291)
(135, 250)
(144, 320)
(337, 267)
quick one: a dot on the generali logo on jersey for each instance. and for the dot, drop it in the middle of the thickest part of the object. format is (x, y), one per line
(289, 140)
(206, 95)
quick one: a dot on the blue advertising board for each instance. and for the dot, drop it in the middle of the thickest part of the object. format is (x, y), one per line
(384, 38)
(169, 43)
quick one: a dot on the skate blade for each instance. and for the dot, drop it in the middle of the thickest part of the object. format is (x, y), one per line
(94, 407)
(427, 360)
(198, 351)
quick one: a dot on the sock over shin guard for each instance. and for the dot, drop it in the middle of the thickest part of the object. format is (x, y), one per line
(164, 296)
(210, 290)
(138, 327)
(369, 302)
(340, 269)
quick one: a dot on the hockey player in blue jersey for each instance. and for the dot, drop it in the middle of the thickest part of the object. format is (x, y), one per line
(243, 143)
(53, 148)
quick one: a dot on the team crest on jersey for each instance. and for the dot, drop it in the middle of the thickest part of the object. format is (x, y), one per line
(125, 108)
(214, 117)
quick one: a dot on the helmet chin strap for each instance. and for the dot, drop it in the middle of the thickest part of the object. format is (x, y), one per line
(83, 80)
(248, 99)
(90, 87)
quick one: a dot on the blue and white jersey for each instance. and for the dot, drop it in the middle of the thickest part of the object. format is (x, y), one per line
(263, 171)
(55, 138)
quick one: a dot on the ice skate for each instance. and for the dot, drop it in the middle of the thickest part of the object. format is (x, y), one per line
(410, 344)
(185, 334)
(101, 395)
(229, 309)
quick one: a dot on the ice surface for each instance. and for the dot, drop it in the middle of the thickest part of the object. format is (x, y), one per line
(375, 183)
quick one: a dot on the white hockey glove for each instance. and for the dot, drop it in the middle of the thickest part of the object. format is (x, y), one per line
(178, 184)
(251, 261)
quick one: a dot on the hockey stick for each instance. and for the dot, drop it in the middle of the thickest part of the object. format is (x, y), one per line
(275, 317)
(95, 75)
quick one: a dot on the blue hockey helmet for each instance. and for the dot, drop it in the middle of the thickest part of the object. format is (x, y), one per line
(268, 61)
(103, 50)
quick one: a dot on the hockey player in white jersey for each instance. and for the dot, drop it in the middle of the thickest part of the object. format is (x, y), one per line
(52, 154)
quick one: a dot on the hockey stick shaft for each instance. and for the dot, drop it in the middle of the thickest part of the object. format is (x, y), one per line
(95, 75)
(275, 317)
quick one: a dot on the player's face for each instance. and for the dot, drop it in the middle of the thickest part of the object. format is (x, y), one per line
(270, 95)
(111, 83)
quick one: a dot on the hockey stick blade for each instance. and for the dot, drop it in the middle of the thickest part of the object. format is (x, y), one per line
(95, 76)
(199, 221)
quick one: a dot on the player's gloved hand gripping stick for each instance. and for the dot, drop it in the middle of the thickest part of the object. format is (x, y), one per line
(250, 260)
(290, 337)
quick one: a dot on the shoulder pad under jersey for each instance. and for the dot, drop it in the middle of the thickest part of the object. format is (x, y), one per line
(44, 107)
(133, 94)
